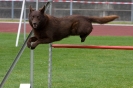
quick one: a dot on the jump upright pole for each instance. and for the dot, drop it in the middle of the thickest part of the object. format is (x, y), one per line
(32, 61)
(50, 55)
(31, 68)
(50, 66)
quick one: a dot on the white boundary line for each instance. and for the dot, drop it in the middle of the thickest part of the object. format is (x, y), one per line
(114, 24)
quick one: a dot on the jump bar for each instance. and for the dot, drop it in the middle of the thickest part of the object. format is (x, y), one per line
(92, 46)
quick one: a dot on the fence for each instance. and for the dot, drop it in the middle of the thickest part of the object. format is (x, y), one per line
(12, 8)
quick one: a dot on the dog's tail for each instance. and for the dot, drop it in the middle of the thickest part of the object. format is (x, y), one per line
(102, 20)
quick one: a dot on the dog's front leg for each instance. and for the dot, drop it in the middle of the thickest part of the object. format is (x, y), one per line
(32, 39)
(41, 41)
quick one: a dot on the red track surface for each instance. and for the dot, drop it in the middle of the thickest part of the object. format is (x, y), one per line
(98, 30)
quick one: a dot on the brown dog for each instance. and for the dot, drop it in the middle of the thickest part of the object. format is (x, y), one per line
(48, 29)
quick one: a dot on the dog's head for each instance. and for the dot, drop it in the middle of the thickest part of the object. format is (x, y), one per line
(36, 17)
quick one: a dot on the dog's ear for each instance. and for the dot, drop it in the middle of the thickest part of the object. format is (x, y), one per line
(31, 9)
(42, 9)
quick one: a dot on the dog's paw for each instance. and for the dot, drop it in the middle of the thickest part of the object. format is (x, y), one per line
(82, 40)
(28, 45)
(32, 47)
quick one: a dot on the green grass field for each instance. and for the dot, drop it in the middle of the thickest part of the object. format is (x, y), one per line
(72, 68)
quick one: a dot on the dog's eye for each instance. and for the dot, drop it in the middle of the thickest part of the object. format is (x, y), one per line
(32, 17)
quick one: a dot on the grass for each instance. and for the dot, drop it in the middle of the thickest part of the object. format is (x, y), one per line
(72, 68)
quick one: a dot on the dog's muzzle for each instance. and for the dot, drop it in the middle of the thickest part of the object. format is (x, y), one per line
(34, 25)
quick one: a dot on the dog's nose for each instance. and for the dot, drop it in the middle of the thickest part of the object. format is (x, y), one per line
(34, 23)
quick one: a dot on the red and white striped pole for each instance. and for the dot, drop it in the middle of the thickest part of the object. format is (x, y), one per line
(79, 1)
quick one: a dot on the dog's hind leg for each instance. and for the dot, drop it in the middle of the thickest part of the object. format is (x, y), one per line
(84, 34)
(84, 30)
(83, 37)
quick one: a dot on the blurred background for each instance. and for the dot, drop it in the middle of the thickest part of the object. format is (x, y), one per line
(12, 9)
